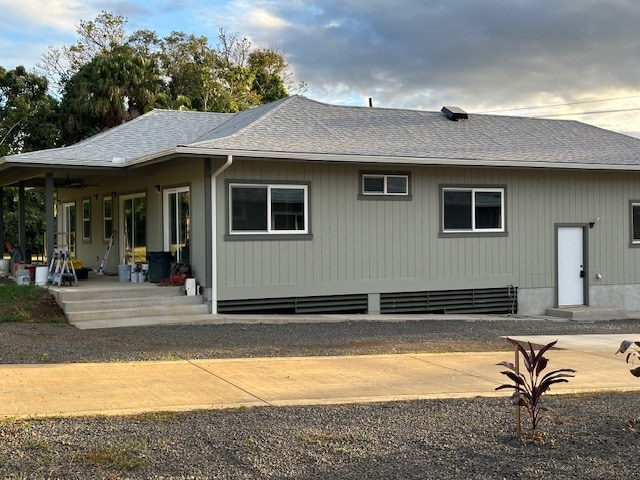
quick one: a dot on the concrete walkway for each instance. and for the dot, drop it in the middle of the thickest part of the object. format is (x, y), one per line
(127, 388)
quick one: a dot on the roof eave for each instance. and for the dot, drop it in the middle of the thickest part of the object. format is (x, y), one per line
(382, 159)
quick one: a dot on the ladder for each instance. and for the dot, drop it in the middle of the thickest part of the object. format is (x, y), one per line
(103, 263)
(61, 268)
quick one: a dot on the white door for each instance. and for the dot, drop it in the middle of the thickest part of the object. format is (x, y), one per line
(570, 266)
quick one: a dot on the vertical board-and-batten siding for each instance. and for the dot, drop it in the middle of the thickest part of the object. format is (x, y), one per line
(366, 246)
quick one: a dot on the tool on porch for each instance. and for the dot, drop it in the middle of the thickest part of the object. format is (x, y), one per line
(103, 263)
(61, 268)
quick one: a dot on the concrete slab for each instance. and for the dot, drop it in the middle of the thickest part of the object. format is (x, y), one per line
(591, 343)
(108, 388)
(127, 388)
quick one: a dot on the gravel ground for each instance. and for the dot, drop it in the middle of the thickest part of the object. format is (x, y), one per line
(586, 437)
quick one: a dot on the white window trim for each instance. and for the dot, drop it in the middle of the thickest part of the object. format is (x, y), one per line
(86, 219)
(385, 177)
(105, 199)
(269, 187)
(473, 191)
(634, 241)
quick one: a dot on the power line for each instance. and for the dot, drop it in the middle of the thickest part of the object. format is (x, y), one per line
(564, 105)
(594, 112)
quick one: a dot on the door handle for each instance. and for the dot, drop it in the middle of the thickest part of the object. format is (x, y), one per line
(581, 273)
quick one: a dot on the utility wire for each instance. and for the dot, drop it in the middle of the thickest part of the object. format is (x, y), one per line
(565, 105)
(594, 112)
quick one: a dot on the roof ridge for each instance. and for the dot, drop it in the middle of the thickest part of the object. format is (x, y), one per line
(270, 108)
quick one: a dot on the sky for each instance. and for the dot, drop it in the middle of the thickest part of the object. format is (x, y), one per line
(562, 59)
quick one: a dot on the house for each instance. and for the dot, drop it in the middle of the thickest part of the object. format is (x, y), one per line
(298, 206)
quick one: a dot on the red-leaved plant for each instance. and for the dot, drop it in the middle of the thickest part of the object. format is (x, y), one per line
(533, 383)
(632, 349)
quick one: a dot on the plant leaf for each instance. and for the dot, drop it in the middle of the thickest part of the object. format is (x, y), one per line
(624, 346)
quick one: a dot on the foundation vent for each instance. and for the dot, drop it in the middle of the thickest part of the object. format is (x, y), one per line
(485, 300)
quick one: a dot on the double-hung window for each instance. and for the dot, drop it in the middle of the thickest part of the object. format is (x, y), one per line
(86, 219)
(635, 223)
(472, 210)
(268, 209)
(385, 184)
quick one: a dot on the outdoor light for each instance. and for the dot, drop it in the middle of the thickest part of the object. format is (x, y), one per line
(157, 188)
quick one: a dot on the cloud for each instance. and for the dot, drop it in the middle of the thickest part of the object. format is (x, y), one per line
(60, 15)
(479, 55)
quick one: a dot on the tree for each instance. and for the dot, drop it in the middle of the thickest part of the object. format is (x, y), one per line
(96, 37)
(269, 69)
(111, 89)
(28, 116)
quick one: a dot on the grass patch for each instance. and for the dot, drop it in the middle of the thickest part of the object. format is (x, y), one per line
(123, 458)
(28, 304)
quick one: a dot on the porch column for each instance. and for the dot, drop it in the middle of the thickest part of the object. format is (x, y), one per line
(48, 203)
(22, 228)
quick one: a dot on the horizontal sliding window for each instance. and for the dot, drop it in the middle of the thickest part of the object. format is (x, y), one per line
(473, 210)
(385, 184)
(268, 209)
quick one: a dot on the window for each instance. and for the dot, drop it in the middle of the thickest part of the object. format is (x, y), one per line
(271, 209)
(86, 219)
(635, 223)
(107, 217)
(472, 209)
(385, 184)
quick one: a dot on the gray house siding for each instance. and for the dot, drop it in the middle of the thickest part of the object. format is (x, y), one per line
(377, 246)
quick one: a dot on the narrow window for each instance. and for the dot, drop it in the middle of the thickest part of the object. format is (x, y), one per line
(270, 209)
(473, 209)
(107, 217)
(385, 184)
(86, 219)
(635, 221)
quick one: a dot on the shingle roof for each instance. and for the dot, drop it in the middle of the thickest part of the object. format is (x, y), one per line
(148, 134)
(297, 127)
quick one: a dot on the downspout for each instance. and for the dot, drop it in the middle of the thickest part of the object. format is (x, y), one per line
(214, 233)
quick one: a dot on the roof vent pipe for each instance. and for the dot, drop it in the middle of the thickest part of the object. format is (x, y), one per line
(454, 113)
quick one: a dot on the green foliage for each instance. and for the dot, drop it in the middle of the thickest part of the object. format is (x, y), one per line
(529, 387)
(28, 116)
(28, 304)
(35, 223)
(632, 349)
(111, 89)
(123, 458)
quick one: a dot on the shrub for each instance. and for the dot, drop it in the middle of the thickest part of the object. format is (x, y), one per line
(530, 386)
(632, 349)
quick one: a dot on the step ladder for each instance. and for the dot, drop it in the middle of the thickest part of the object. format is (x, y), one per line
(61, 268)
(103, 263)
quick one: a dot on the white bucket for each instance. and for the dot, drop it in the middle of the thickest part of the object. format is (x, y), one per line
(134, 277)
(4, 266)
(42, 275)
(22, 279)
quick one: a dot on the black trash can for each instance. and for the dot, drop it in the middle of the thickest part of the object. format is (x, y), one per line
(159, 265)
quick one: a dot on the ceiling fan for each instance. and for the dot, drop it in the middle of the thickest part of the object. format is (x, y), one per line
(74, 183)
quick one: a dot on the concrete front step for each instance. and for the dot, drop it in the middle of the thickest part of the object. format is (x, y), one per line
(125, 313)
(146, 321)
(587, 313)
(127, 303)
(117, 293)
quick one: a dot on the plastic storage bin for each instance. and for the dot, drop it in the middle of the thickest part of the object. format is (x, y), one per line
(159, 266)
